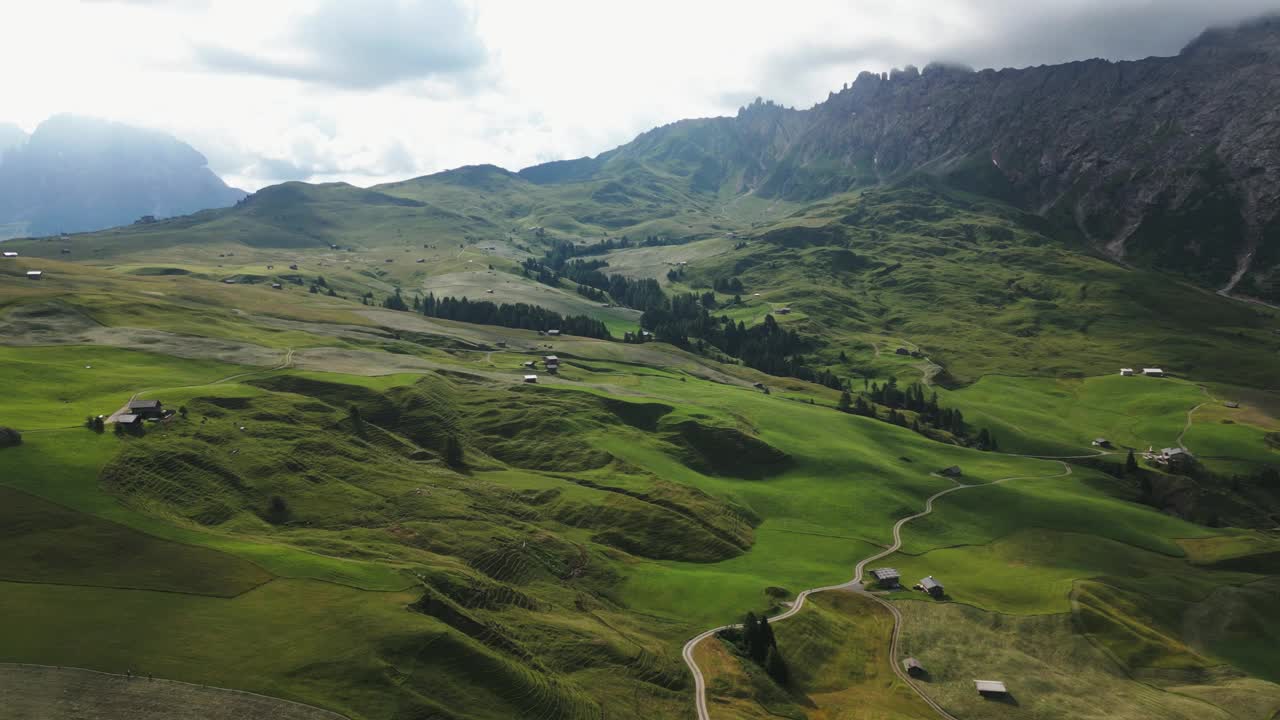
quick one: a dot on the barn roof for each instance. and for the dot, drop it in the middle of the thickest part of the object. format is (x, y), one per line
(885, 574)
(910, 663)
(127, 419)
(143, 404)
(929, 583)
(991, 686)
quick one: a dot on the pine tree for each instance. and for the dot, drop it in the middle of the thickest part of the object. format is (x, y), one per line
(776, 667)
(453, 451)
(984, 439)
(1130, 463)
(846, 401)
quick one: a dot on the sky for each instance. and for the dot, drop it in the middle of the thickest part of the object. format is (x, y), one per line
(372, 91)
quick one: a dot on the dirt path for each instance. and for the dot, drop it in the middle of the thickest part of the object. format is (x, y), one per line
(1187, 427)
(854, 585)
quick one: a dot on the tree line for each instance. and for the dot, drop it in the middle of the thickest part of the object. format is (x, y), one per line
(640, 293)
(520, 315)
(928, 413)
(686, 321)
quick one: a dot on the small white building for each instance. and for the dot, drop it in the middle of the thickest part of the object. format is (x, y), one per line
(990, 688)
(34, 274)
(553, 333)
(10, 253)
(1153, 372)
(1126, 371)
(531, 378)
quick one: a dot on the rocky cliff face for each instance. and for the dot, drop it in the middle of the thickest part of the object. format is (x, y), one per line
(1173, 162)
(75, 174)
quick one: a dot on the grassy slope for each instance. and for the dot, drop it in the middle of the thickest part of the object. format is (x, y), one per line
(588, 539)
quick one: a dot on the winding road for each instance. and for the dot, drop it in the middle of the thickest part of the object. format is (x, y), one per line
(854, 585)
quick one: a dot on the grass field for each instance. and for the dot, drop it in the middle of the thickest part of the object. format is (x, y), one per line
(1051, 671)
(99, 696)
(391, 525)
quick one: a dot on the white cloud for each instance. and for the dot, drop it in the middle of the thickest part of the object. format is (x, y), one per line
(387, 89)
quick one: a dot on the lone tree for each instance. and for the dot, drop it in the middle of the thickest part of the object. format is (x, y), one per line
(453, 451)
(1130, 463)
(9, 437)
(357, 422)
(277, 510)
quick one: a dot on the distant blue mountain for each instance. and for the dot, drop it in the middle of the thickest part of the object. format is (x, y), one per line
(75, 174)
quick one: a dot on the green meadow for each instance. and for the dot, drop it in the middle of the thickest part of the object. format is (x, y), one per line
(368, 511)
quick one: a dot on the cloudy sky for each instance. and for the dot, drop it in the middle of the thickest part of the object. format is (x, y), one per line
(374, 90)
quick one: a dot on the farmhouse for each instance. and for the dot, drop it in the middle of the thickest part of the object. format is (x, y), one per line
(1101, 442)
(886, 577)
(276, 286)
(1153, 372)
(990, 688)
(931, 586)
(1175, 458)
(902, 351)
(146, 408)
(531, 378)
(952, 472)
(913, 667)
(129, 420)
(1126, 371)
(10, 254)
(34, 274)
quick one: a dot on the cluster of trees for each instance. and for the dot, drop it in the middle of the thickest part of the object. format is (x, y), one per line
(640, 294)
(95, 423)
(928, 413)
(912, 398)
(767, 347)
(519, 315)
(728, 286)
(320, 286)
(396, 302)
(756, 640)
(562, 251)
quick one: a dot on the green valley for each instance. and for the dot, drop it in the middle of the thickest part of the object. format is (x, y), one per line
(624, 437)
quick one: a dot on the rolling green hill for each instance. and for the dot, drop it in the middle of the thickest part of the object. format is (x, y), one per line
(365, 506)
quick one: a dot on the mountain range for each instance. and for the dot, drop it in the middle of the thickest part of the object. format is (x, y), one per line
(75, 174)
(1168, 162)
